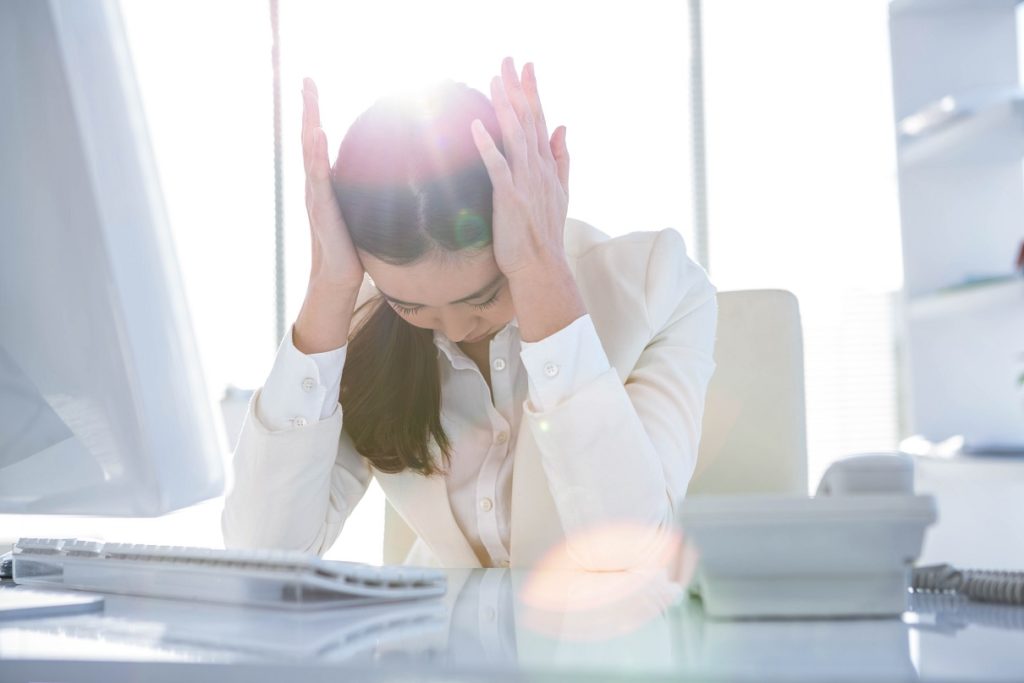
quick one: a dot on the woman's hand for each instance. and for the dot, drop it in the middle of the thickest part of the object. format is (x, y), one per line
(335, 262)
(531, 201)
(336, 272)
(531, 179)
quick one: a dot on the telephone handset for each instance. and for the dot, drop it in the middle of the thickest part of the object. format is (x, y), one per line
(870, 473)
(846, 551)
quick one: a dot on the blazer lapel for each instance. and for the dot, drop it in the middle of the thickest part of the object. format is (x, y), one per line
(536, 529)
(423, 504)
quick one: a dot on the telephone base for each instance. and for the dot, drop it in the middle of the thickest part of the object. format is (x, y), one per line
(789, 556)
(823, 597)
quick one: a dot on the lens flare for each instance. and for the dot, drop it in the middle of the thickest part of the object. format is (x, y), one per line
(560, 598)
(470, 229)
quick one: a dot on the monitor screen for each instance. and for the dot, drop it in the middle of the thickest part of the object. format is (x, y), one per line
(103, 407)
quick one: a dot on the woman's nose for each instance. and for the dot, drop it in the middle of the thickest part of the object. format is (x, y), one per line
(456, 327)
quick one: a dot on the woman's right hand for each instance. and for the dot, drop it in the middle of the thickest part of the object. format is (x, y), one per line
(335, 262)
(336, 273)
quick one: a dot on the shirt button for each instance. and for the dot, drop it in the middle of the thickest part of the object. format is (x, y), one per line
(490, 613)
(499, 364)
(503, 563)
(486, 504)
(299, 421)
(308, 384)
(502, 437)
(550, 369)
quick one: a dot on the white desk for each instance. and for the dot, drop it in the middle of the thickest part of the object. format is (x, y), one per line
(499, 624)
(509, 625)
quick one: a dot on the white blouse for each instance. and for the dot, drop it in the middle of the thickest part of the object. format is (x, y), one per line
(304, 388)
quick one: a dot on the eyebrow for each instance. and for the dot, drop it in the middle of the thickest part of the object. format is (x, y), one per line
(475, 295)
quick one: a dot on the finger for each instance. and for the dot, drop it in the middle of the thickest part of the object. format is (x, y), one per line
(310, 85)
(494, 161)
(309, 88)
(319, 167)
(321, 193)
(516, 95)
(307, 132)
(513, 137)
(532, 95)
(561, 155)
(310, 114)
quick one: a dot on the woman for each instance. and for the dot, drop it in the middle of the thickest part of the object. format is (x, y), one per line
(523, 387)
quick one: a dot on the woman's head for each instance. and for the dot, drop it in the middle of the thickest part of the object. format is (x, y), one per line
(417, 201)
(416, 198)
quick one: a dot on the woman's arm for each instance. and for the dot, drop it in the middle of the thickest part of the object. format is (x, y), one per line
(615, 455)
(620, 456)
(292, 489)
(297, 475)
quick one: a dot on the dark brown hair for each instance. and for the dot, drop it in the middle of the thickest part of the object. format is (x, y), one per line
(410, 184)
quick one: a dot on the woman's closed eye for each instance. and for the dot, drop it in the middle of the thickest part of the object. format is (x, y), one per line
(490, 302)
(412, 310)
(404, 310)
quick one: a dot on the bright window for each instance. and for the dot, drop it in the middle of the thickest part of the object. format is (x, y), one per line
(800, 152)
(803, 196)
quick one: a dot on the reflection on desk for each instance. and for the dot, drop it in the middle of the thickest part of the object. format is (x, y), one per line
(503, 624)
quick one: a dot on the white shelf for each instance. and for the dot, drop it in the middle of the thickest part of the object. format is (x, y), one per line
(936, 5)
(957, 91)
(978, 127)
(1001, 295)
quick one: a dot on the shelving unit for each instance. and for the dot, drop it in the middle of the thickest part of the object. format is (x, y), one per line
(969, 300)
(959, 125)
(975, 128)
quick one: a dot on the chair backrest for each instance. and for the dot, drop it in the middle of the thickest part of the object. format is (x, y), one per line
(753, 438)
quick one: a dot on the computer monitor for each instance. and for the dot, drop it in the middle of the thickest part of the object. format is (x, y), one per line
(103, 407)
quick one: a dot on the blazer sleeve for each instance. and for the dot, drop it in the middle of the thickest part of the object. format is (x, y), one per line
(293, 488)
(619, 455)
(297, 474)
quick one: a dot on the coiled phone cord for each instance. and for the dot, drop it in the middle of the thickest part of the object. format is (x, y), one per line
(954, 612)
(1005, 587)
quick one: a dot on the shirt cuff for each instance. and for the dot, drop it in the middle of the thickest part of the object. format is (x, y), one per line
(561, 363)
(302, 388)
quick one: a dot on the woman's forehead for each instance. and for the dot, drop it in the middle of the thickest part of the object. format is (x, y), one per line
(435, 280)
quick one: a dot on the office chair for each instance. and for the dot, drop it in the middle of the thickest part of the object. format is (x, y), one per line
(753, 437)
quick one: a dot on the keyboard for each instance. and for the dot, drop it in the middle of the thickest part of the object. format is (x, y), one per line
(262, 578)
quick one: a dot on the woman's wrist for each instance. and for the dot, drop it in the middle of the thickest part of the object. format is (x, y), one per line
(325, 317)
(546, 299)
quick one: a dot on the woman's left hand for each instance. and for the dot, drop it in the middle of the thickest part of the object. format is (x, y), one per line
(531, 178)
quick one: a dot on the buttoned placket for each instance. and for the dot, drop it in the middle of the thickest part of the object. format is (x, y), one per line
(495, 621)
(501, 414)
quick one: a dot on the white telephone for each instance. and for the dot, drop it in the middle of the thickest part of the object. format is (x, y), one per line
(847, 551)
(869, 473)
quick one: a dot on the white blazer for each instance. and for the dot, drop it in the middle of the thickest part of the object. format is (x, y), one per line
(654, 311)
